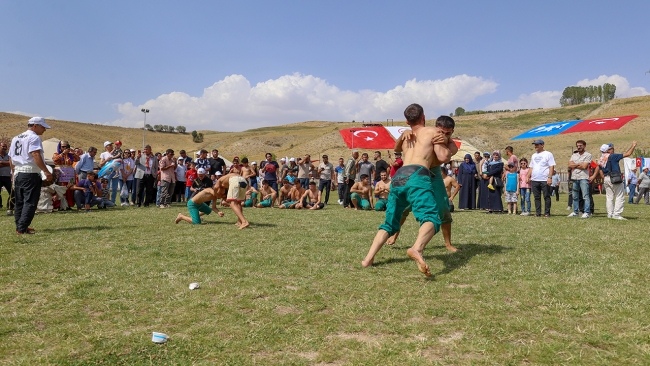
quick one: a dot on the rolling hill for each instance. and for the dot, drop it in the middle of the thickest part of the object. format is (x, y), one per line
(487, 132)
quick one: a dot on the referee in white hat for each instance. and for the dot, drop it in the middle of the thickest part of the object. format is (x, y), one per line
(27, 163)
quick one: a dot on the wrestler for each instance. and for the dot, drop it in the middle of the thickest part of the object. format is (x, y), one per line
(412, 186)
(285, 197)
(296, 194)
(311, 198)
(236, 187)
(361, 193)
(445, 126)
(251, 196)
(267, 195)
(197, 207)
(382, 188)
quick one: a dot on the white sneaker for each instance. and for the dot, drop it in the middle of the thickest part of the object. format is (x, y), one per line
(9, 213)
(617, 217)
(525, 213)
(585, 215)
(568, 208)
(572, 214)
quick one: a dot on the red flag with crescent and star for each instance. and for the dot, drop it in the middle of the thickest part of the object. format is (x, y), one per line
(367, 138)
(600, 124)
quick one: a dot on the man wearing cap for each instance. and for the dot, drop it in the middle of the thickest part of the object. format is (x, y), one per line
(350, 173)
(613, 182)
(579, 165)
(27, 163)
(540, 176)
(325, 170)
(146, 165)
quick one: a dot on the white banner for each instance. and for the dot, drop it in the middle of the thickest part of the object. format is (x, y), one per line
(396, 132)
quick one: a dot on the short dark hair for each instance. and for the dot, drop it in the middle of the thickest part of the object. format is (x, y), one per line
(581, 142)
(265, 182)
(413, 113)
(445, 122)
(364, 154)
(92, 174)
(378, 152)
(215, 150)
(203, 151)
(92, 148)
(285, 181)
(312, 183)
(182, 152)
(244, 160)
(147, 146)
(509, 148)
(363, 176)
(267, 155)
(169, 151)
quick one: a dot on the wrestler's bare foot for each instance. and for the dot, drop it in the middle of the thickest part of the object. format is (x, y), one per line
(179, 218)
(367, 263)
(244, 225)
(417, 257)
(452, 248)
(392, 239)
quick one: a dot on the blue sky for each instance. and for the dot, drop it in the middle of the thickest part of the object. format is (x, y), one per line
(236, 65)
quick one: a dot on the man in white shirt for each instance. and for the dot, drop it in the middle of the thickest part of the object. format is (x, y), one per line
(27, 163)
(540, 176)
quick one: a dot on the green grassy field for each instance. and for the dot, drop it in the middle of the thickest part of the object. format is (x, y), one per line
(90, 289)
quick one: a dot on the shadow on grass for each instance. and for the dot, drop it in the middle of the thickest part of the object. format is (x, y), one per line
(91, 228)
(452, 261)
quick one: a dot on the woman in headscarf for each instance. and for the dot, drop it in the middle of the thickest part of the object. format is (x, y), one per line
(467, 183)
(483, 190)
(495, 169)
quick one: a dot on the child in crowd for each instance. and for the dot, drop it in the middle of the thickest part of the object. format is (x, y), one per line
(106, 195)
(512, 188)
(190, 175)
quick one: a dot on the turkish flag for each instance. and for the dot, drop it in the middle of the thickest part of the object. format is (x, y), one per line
(600, 124)
(639, 162)
(367, 138)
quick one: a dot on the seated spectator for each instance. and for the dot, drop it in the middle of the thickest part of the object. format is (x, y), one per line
(87, 194)
(382, 189)
(361, 194)
(296, 194)
(106, 195)
(251, 197)
(285, 195)
(311, 199)
(267, 195)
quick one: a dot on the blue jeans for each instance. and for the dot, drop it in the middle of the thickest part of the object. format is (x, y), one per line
(632, 188)
(524, 193)
(304, 182)
(116, 184)
(581, 186)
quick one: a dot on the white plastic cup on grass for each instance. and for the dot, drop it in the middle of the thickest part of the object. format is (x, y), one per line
(159, 337)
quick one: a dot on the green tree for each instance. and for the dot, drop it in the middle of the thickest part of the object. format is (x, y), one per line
(459, 111)
(180, 129)
(148, 127)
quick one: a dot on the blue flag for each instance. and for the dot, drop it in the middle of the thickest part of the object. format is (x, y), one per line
(549, 129)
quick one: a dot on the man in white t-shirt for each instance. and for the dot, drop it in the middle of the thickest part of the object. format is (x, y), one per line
(540, 177)
(27, 163)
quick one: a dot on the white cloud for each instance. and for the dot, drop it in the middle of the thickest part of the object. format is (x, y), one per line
(549, 99)
(538, 99)
(623, 89)
(232, 104)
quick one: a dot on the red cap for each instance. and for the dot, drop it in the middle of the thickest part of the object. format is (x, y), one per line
(118, 142)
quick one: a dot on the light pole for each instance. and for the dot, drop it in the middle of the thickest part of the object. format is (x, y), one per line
(144, 127)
